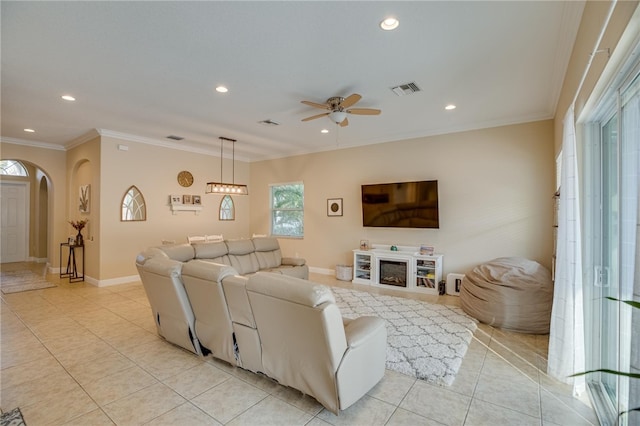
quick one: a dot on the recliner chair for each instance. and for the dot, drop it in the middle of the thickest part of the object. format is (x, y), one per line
(307, 345)
(172, 312)
(202, 282)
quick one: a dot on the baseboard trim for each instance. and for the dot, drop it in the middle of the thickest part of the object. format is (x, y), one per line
(113, 281)
(322, 271)
(103, 283)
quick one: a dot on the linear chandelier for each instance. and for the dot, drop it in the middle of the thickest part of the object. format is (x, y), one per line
(227, 188)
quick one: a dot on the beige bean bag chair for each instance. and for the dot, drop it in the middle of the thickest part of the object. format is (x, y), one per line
(511, 293)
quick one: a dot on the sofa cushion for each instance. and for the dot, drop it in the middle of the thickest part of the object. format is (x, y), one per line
(242, 256)
(267, 252)
(240, 247)
(179, 252)
(290, 288)
(215, 251)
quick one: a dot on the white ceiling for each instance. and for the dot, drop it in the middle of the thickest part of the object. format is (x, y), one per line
(147, 70)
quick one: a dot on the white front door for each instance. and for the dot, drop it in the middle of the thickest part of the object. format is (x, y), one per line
(14, 223)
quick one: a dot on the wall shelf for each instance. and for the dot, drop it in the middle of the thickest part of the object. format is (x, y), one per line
(185, 208)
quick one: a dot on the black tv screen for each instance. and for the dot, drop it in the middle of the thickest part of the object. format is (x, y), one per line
(401, 205)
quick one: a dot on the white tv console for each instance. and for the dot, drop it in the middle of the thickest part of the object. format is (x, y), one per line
(401, 269)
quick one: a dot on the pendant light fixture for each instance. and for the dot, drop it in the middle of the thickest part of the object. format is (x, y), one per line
(227, 188)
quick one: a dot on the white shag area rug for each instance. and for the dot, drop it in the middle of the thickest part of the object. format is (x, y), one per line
(424, 340)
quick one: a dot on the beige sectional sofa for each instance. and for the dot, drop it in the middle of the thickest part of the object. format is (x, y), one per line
(246, 256)
(253, 309)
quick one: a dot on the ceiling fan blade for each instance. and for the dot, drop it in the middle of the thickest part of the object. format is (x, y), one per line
(313, 117)
(350, 100)
(364, 111)
(344, 123)
(315, 105)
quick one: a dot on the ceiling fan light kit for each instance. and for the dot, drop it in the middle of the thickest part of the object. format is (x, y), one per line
(338, 108)
(338, 116)
(227, 188)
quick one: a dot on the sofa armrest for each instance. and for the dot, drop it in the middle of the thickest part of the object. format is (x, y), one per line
(359, 330)
(363, 364)
(293, 261)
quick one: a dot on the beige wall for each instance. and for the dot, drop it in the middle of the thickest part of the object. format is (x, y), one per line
(153, 170)
(84, 169)
(495, 192)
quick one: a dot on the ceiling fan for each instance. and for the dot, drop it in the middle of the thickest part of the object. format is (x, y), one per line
(339, 107)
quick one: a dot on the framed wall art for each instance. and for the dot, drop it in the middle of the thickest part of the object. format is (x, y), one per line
(84, 198)
(334, 207)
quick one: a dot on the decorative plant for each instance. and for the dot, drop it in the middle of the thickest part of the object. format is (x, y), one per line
(78, 225)
(636, 305)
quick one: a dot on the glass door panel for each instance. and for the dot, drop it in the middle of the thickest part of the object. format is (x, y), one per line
(611, 251)
(608, 274)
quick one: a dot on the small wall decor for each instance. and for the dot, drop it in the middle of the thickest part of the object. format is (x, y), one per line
(84, 198)
(185, 203)
(133, 207)
(334, 207)
(227, 210)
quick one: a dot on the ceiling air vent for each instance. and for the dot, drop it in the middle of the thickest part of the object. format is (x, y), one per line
(405, 89)
(175, 138)
(269, 122)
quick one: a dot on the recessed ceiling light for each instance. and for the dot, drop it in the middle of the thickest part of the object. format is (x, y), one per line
(389, 24)
(450, 107)
(68, 98)
(324, 131)
(221, 89)
(29, 130)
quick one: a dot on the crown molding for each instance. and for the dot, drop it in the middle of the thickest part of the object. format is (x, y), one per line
(35, 144)
(214, 152)
(91, 134)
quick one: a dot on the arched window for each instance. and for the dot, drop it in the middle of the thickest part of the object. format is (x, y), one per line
(133, 206)
(227, 210)
(12, 168)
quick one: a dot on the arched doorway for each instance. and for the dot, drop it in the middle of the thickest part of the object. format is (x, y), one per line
(26, 190)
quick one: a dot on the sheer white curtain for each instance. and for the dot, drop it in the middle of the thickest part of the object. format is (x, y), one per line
(566, 337)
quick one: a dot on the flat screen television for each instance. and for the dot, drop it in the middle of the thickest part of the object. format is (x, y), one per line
(401, 205)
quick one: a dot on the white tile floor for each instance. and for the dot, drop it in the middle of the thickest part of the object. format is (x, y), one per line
(81, 355)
